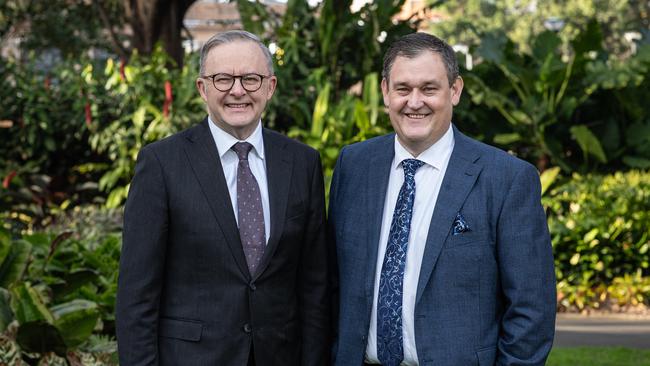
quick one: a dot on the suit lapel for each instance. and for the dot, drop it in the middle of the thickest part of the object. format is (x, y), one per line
(378, 174)
(462, 172)
(203, 157)
(279, 165)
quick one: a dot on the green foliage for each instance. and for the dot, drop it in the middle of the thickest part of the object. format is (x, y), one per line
(133, 108)
(351, 120)
(546, 101)
(16, 255)
(66, 294)
(601, 239)
(65, 27)
(521, 20)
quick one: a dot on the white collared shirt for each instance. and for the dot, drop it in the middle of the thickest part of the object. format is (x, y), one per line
(428, 179)
(256, 161)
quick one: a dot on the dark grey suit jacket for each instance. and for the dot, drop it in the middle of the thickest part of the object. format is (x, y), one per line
(185, 296)
(485, 296)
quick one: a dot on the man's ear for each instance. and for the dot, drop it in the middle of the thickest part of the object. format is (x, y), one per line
(200, 86)
(384, 90)
(273, 82)
(456, 90)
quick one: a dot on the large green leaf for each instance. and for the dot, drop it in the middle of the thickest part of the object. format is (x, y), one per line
(588, 142)
(6, 315)
(14, 263)
(320, 109)
(590, 39)
(75, 320)
(492, 46)
(73, 281)
(637, 162)
(548, 177)
(28, 306)
(506, 138)
(40, 337)
(371, 96)
(545, 44)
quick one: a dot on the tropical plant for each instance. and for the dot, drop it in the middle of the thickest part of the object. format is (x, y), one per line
(541, 104)
(55, 292)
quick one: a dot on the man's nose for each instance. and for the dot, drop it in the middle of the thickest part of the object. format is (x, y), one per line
(237, 87)
(415, 99)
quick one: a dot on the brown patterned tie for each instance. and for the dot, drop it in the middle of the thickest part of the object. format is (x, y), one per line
(249, 209)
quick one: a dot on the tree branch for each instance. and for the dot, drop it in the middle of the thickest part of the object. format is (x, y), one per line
(117, 45)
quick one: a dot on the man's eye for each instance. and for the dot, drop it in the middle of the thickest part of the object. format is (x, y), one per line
(223, 79)
(251, 79)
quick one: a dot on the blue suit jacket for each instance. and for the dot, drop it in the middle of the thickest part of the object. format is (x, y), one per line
(485, 296)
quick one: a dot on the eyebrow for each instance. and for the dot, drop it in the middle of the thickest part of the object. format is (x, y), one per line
(426, 82)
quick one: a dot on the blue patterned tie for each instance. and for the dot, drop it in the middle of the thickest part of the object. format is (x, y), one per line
(390, 345)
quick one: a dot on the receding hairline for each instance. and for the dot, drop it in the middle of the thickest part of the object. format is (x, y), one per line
(235, 36)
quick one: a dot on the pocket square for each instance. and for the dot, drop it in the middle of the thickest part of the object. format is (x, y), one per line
(460, 225)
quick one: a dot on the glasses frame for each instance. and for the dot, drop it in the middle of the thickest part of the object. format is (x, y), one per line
(234, 78)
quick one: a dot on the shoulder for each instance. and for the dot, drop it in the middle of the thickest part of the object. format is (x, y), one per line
(273, 139)
(496, 162)
(369, 148)
(171, 145)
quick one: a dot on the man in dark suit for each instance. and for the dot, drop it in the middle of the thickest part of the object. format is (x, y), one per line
(444, 256)
(224, 257)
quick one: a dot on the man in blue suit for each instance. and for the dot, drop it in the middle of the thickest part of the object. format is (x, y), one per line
(443, 252)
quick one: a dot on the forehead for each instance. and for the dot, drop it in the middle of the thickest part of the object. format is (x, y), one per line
(427, 66)
(236, 57)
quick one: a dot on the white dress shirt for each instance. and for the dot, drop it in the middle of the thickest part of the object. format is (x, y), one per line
(428, 179)
(230, 161)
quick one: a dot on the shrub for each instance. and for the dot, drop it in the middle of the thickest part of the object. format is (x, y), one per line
(601, 238)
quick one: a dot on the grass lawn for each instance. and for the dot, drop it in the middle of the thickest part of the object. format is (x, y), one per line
(598, 356)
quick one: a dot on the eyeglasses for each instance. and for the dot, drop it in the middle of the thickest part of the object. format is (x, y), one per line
(224, 82)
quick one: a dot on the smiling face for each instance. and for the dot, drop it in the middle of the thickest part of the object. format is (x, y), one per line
(420, 100)
(236, 111)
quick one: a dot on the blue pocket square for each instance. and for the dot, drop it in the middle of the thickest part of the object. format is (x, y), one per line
(460, 225)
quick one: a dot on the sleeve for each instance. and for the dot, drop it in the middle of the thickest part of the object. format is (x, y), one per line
(142, 263)
(527, 274)
(331, 248)
(313, 278)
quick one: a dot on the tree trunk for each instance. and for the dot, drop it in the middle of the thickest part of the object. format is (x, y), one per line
(157, 20)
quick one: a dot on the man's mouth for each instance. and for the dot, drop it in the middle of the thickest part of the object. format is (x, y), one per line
(237, 105)
(416, 115)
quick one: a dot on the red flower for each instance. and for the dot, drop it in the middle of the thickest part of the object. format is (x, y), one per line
(169, 98)
(122, 65)
(7, 181)
(89, 115)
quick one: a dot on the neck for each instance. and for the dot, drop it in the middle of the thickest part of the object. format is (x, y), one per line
(240, 133)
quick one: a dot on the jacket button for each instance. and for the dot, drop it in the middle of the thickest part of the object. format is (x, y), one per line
(247, 328)
(252, 286)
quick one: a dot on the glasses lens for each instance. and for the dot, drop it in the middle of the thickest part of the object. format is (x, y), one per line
(251, 82)
(223, 82)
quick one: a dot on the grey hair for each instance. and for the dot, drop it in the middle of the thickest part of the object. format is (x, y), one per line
(232, 36)
(412, 45)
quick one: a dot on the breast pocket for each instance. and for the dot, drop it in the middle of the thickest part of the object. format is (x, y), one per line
(467, 238)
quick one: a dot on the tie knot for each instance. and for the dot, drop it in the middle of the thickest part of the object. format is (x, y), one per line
(242, 149)
(410, 166)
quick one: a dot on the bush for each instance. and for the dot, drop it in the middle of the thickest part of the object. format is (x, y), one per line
(57, 297)
(601, 238)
